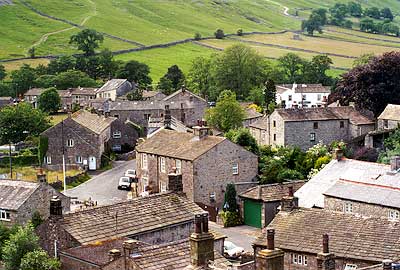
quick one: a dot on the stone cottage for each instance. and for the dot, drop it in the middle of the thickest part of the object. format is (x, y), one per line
(154, 219)
(114, 88)
(390, 117)
(19, 200)
(306, 127)
(207, 164)
(83, 137)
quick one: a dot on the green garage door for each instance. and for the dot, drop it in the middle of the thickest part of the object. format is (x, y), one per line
(252, 213)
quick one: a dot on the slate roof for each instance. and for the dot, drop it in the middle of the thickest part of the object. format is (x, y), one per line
(365, 192)
(179, 92)
(92, 121)
(311, 194)
(251, 114)
(369, 239)
(83, 91)
(328, 113)
(14, 193)
(150, 94)
(391, 112)
(64, 93)
(180, 145)
(129, 218)
(271, 192)
(303, 88)
(126, 105)
(112, 85)
(34, 92)
(261, 123)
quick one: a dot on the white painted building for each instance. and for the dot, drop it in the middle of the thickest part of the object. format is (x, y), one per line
(302, 95)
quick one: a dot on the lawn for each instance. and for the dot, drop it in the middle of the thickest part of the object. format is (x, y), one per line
(29, 173)
(17, 64)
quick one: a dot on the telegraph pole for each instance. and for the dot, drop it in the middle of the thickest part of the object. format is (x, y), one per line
(11, 171)
(63, 155)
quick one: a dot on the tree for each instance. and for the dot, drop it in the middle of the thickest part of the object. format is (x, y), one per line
(392, 147)
(292, 65)
(387, 13)
(200, 76)
(240, 68)
(61, 64)
(37, 219)
(227, 114)
(72, 79)
(321, 12)
(371, 86)
(230, 203)
(390, 28)
(239, 32)
(3, 72)
(31, 52)
(373, 12)
(5, 233)
(363, 59)
(23, 241)
(315, 22)
(355, 9)
(6, 90)
(23, 78)
(172, 80)
(39, 260)
(87, 40)
(135, 71)
(49, 101)
(256, 96)
(20, 121)
(136, 94)
(243, 138)
(338, 13)
(197, 36)
(45, 81)
(219, 34)
(315, 71)
(270, 92)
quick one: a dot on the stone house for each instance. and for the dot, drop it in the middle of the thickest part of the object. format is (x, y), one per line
(260, 204)
(390, 117)
(194, 156)
(302, 95)
(306, 127)
(251, 116)
(19, 200)
(82, 96)
(83, 137)
(153, 95)
(32, 96)
(155, 219)
(114, 88)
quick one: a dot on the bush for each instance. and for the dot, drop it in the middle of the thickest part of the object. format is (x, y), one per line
(219, 34)
(366, 154)
(321, 161)
(239, 32)
(21, 161)
(197, 36)
(231, 219)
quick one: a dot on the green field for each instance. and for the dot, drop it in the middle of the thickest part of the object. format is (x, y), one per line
(158, 21)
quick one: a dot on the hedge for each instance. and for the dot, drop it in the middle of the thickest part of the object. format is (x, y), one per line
(19, 161)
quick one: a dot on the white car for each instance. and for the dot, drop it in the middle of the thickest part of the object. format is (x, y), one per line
(124, 183)
(130, 173)
(232, 251)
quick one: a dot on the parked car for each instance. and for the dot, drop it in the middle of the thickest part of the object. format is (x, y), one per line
(231, 251)
(130, 173)
(124, 183)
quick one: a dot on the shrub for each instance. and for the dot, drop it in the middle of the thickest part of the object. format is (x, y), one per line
(321, 161)
(231, 219)
(239, 32)
(197, 36)
(366, 154)
(219, 34)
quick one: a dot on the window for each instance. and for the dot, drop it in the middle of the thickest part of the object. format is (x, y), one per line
(212, 196)
(299, 259)
(312, 137)
(235, 169)
(304, 97)
(5, 215)
(350, 266)
(144, 161)
(163, 187)
(274, 137)
(78, 159)
(117, 134)
(386, 123)
(348, 207)
(162, 164)
(191, 98)
(274, 123)
(70, 143)
(116, 115)
(290, 97)
(178, 166)
(319, 97)
(315, 125)
(294, 258)
(146, 116)
(47, 159)
(394, 215)
(305, 260)
(341, 124)
(145, 183)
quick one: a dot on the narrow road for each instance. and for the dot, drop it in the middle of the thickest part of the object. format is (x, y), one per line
(103, 187)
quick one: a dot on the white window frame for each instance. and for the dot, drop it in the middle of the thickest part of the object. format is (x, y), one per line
(299, 259)
(78, 159)
(394, 215)
(70, 143)
(319, 97)
(350, 266)
(163, 187)
(117, 134)
(144, 161)
(4, 214)
(313, 137)
(47, 160)
(178, 166)
(289, 97)
(348, 207)
(162, 164)
(235, 169)
(295, 258)
(145, 182)
(305, 260)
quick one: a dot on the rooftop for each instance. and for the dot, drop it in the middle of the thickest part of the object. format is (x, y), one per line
(178, 144)
(150, 94)
(369, 239)
(111, 85)
(83, 91)
(271, 192)
(180, 91)
(252, 113)
(34, 92)
(391, 112)
(126, 105)
(303, 88)
(14, 193)
(92, 121)
(129, 218)
(261, 123)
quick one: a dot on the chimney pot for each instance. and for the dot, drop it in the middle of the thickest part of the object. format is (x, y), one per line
(387, 264)
(325, 243)
(114, 254)
(271, 239)
(130, 246)
(338, 154)
(205, 222)
(197, 223)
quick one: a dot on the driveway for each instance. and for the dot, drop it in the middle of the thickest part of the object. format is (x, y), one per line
(242, 236)
(103, 187)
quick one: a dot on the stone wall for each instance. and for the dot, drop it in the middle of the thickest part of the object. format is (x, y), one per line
(261, 135)
(391, 124)
(168, 234)
(129, 134)
(277, 132)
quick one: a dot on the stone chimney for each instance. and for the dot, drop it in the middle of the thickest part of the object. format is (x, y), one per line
(167, 116)
(41, 176)
(290, 202)
(387, 264)
(395, 163)
(182, 112)
(201, 131)
(175, 182)
(338, 154)
(270, 258)
(130, 247)
(201, 242)
(55, 207)
(114, 254)
(325, 259)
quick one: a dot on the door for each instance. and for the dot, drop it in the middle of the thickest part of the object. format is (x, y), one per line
(92, 163)
(252, 213)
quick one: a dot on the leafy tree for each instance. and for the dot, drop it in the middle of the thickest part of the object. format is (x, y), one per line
(61, 64)
(172, 80)
(321, 12)
(363, 59)
(373, 12)
(23, 241)
(243, 138)
(197, 36)
(6, 90)
(31, 52)
(219, 34)
(39, 260)
(338, 13)
(72, 79)
(256, 96)
(371, 86)
(387, 13)
(37, 219)
(316, 71)
(240, 68)
(5, 233)
(392, 147)
(87, 40)
(3, 72)
(45, 81)
(227, 114)
(355, 9)
(49, 101)
(41, 70)
(136, 94)
(347, 24)
(135, 71)
(17, 122)
(270, 92)
(292, 66)
(239, 32)
(200, 75)
(368, 25)
(390, 28)
(315, 22)
(23, 78)
(230, 203)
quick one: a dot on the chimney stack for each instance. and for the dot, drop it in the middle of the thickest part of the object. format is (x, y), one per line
(325, 259)
(387, 264)
(55, 207)
(114, 254)
(290, 202)
(130, 247)
(270, 258)
(167, 116)
(201, 242)
(338, 154)
(201, 131)
(395, 163)
(175, 182)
